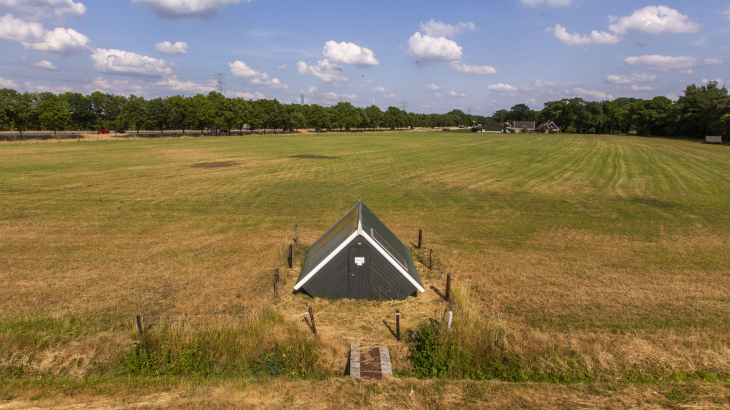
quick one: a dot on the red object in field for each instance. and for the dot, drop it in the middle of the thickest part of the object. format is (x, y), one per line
(103, 131)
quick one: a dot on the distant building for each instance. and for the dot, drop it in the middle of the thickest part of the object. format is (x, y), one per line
(490, 127)
(547, 127)
(520, 125)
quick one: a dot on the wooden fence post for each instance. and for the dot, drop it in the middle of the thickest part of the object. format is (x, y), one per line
(291, 257)
(397, 324)
(139, 326)
(296, 235)
(420, 237)
(430, 259)
(276, 282)
(448, 287)
(311, 317)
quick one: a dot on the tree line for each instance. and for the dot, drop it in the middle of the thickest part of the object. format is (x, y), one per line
(700, 111)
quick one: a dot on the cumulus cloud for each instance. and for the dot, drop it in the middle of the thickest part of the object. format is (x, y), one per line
(249, 96)
(551, 3)
(325, 70)
(590, 93)
(654, 20)
(473, 69)
(240, 69)
(726, 12)
(176, 9)
(390, 96)
(666, 63)
(379, 89)
(426, 48)
(127, 62)
(114, 86)
(594, 39)
(686, 72)
(349, 53)
(174, 83)
(7, 83)
(641, 88)
(167, 47)
(282, 67)
(32, 36)
(455, 94)
(435, 28)
(634, 79)
(45, 64)
(41, 9)
(48, 89)
(502, 88)
(432, 86)
(541, 84)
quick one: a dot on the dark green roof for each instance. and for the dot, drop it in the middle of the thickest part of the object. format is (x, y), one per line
(344, 228)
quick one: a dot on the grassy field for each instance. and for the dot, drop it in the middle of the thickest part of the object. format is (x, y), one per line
(600, 255)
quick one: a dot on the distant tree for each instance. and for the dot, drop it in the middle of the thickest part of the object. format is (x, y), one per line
(297, 121)
(242, 111)
(159, 114)
(54, 113)
(82, 113)
(500, 116)
(571, 130)
(19, 110)
(318, 117)
(375, 115)
(134, 113)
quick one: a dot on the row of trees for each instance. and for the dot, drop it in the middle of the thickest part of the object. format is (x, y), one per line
(700, 111)
(74, 111)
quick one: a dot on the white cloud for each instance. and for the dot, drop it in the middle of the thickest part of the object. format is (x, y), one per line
(48, 89)
(349, 53)
(641, 88)
(249, 96)
(435, 28)
(33, 36)
(502, 88)
(390, 96)
(541, 84)
(551, 3)
(438, 95)
(433, 49)
(717, 80)
(175, 9)
(726, 12)
(127, 62)
(432, 86)
(45, 64)
(114, 86)
(473, 69)
(173, 83)
(666, 63)
(635, 79)
(455, 94)
(331, 96)
(655, 20)
(672, 96)
(590, 93)
(686, 72)
(379, 89)
(240, 69)
(6, 83)
(324, 70)
(40, 9)
(282, 67)
(166, 47)
(594, 39)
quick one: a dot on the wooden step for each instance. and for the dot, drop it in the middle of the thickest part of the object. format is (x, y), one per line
(370, 362)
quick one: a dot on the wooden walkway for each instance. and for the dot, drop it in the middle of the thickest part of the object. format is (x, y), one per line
(370, 362)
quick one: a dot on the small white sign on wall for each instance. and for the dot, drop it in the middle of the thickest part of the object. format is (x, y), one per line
(359, 260)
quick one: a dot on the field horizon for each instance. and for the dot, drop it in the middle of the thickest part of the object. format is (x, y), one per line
(592, 260)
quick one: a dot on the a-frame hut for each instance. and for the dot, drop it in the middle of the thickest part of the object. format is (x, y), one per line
(359, 258)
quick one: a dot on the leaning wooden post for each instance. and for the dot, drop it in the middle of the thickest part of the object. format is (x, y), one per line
(296, 235)
(397, 324)
(291, 257)
(420, 237)
(311, 317)
(276, 282)
(448, 287)
(139, 326)
(430, 259)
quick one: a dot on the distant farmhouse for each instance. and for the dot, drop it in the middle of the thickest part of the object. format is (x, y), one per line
(521, 125)
(492, 127)
(547, 128)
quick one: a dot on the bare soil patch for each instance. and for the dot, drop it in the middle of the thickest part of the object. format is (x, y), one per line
(215, 164)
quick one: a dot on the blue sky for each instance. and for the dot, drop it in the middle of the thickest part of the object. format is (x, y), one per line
(436, 56)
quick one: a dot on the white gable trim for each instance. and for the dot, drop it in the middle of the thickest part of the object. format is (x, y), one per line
(392, 261)
(326, 260)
